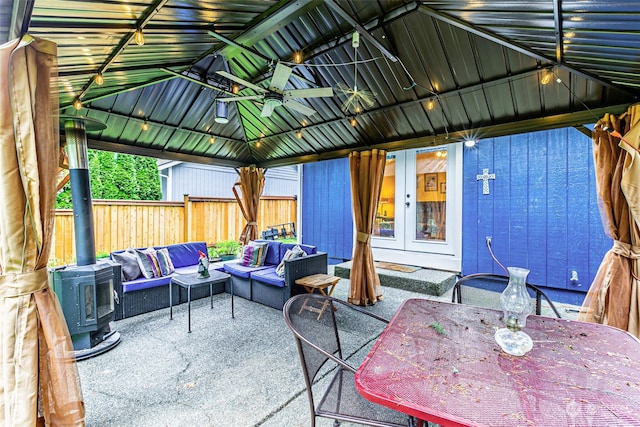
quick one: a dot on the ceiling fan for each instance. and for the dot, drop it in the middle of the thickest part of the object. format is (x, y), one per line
(275, 95)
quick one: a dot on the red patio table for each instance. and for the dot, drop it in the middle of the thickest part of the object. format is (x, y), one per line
(439, 362)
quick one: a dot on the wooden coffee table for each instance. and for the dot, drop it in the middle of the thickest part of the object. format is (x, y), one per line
(188, 281)
(319, 282)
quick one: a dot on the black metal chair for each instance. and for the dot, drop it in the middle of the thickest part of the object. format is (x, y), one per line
(319, 342)
(496, 283)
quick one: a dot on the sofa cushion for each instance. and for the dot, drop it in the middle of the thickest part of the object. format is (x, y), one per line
(268, 276)
(253, 254)
(309, 250)
(183, 254)
(273, 252)
(129, 262)
(295, 252)
(144, 283)
(239, 270)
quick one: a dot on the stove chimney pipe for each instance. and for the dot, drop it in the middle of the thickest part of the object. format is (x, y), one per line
(76, 128)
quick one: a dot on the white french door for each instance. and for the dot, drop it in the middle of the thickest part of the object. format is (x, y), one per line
(419, 217)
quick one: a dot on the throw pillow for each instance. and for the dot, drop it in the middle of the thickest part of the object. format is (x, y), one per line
(295, 252)
(148, 263)
(129, 263)
(164, 261)
(253, 254)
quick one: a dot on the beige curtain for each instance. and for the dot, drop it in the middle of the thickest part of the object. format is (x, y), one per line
(367, 171)
(250, 186)
(39, 382)
(613, 297)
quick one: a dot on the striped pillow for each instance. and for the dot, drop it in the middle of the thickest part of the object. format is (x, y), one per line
(164, 261)
(148, 262)
(253, 254)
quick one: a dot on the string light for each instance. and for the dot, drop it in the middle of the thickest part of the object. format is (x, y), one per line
(430, 105)
(235, 89)
(138, 37)
(211, 139)
(297, 57)
(77, 104)
(145, 126)
(353, 122)
(99, 79)
(546, 77)
(298, 134)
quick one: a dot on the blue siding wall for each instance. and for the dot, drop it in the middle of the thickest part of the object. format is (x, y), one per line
(541, 212)
(327, 220)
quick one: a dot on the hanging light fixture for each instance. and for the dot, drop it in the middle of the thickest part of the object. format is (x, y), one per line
(138, 37)
(546, 77)
(99, 79)
(297, 57)
(222, 112)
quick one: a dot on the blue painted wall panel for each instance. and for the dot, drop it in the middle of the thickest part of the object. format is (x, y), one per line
(541, 212)
(327, 220)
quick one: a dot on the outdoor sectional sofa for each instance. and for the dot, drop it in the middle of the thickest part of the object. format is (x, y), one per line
(142, 295)
(263, 285)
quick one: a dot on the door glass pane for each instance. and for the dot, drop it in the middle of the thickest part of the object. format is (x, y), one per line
(385, 215)
(431, 195)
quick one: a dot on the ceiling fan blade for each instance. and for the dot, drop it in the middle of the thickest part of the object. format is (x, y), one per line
(241, 81)
(309, 93)
(280, 78)
(240, 98)
(300, 108)
(267, 109)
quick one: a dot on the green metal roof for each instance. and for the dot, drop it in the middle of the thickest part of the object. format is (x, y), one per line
(439, 71)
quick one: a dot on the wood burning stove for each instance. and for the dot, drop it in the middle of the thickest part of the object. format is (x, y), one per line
(85, 290)
(86, 296)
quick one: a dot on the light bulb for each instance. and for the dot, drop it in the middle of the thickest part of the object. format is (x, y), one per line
(297, 57)
(211, 139)
(546, 77)
(145, 126)
(298, 134)
(139, 37)
(99, 79)
(353, 122)
(77, 104)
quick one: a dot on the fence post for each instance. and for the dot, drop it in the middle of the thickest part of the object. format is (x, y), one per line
(187, 218)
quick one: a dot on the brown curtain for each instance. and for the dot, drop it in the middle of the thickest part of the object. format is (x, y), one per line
(39, 382)
(367, 171)
(613, 297)
(250, 186)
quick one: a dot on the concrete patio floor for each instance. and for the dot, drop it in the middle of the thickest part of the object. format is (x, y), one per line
(227, 372)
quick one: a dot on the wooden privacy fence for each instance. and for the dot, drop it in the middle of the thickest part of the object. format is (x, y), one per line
(121, 224)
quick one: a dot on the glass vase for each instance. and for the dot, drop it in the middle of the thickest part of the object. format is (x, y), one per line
(516, 306)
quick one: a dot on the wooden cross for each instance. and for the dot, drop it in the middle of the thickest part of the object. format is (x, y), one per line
(485, 177)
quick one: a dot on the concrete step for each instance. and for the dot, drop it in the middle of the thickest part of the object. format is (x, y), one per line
(423, 280)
